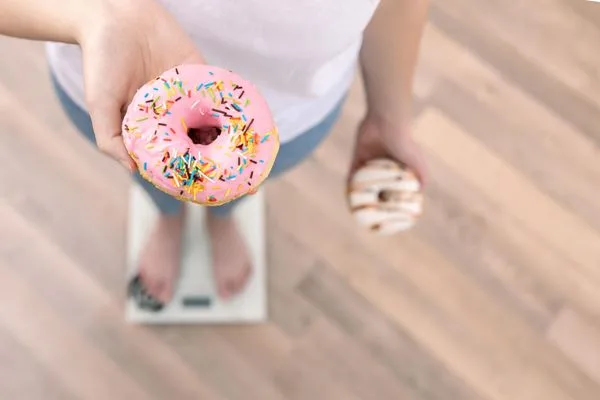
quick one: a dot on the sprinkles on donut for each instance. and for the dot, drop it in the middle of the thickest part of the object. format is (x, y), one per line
(201, 134)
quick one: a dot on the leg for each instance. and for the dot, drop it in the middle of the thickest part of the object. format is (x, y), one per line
(160, 258)
(232, 269)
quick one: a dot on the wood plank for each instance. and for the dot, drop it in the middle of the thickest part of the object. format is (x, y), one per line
(26, 81)
(389, 345)
(521, 198)
(23, 377)
(482, 249)
(306, 375)
(512, 122)
(289, 261)
(289, 311)
(529, 141)
(336, 299)
(218, 362)
(563, 100)
(92, 312)
(331, 354)
(66, 177)
(536, 261)
(69, 356)
(586, 10)
(551, 34)
(575, 335)
(265, 346)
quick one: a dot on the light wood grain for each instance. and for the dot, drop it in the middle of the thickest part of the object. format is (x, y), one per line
(494, 295)
(578, 338)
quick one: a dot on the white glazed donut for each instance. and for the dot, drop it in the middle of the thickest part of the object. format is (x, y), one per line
(385, 197)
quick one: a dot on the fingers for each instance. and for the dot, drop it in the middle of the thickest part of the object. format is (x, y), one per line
(106, 120)
(415, 159)
(195, 58)
(421, 168)
(374, 142)
(190, 56)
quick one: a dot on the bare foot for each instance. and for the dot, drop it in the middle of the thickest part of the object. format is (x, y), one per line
(231, 261)
(161, 257)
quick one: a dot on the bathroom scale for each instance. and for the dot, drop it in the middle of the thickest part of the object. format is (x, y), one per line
(195, 299)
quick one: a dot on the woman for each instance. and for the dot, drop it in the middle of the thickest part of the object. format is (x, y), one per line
(301, 55)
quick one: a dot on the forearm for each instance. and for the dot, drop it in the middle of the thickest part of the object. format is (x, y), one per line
(52, 20)
(389, 55)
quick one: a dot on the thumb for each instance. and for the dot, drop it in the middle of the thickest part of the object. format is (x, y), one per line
(194, 57)
(106, 121)
(408, 153)
(416, 162)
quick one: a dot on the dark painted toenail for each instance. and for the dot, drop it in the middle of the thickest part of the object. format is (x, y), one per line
(140, 295)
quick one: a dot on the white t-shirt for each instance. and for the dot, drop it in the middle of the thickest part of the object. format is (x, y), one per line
(300, 54)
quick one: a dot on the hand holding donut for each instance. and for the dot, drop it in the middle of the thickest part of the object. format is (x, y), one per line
(381, 139)
(129, 43)
(386, 178)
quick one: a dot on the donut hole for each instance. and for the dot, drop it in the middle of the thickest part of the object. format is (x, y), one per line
(204, 135)
(385, 196)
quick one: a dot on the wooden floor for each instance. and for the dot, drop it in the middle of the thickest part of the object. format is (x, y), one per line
(495, 295)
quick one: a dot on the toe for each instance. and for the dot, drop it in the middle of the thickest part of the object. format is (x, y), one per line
(242, 280)
(158, 291)
(161, 290)
(145, 280)
(226, 288)
(235, 285)
(166, 293)
(151, 286)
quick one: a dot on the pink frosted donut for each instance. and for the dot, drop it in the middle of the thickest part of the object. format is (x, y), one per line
(201, 134)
